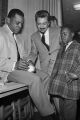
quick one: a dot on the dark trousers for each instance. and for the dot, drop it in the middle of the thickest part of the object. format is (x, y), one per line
(68, 109)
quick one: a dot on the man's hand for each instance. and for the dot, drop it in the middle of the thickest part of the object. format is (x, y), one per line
(72, 76)
(31, 67)
(22, 65)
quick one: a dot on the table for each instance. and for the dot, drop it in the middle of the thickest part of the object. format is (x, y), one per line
(12, 92)
(12, 88)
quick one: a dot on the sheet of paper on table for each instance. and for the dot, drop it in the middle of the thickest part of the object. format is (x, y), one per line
(10, 86)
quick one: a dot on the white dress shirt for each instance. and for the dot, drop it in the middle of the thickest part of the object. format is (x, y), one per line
(68, 45)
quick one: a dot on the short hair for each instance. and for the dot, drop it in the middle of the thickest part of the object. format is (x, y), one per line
(13, 12)
(53, 18)
(68, 26)
(42, 14)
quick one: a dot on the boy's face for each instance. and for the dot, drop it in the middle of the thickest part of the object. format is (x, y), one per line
(66, 35)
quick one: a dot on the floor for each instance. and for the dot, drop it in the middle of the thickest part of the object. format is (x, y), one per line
(38, 117)
(78, 111)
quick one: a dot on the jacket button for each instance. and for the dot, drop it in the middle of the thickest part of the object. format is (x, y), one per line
(9, 58)
(49, 53)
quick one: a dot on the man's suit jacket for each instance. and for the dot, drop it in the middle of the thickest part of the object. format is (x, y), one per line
(46, 58)
(8, 51)
(60, 82)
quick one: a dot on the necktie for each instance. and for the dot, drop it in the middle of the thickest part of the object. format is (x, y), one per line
(18, 55)
(43, 41)
(63, 50)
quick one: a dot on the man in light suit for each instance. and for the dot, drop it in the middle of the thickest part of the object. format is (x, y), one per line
(65, 77)
(38, 49)
(47, 57)
(38, 81)
(8, 48)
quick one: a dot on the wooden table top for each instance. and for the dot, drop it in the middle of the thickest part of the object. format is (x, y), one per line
(11, 88)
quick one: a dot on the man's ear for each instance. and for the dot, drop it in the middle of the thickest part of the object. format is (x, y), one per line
(7, 20)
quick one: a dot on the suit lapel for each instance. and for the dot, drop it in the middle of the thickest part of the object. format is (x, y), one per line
(70, 46)
(50, 39)
(40, 42)
(54, 39)
(8, 32)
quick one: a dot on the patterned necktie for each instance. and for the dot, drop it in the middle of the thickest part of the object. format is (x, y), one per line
(43, 41)
(18, 55)
(63, 50)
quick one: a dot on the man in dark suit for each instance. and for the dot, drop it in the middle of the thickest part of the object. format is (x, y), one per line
(47, 55)
(65, 77)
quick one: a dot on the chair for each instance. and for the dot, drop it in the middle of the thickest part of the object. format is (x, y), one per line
(23, 108)
(7, 112)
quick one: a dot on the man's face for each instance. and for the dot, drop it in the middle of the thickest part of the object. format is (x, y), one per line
(16, 23)
(42, 24)
(66, 35)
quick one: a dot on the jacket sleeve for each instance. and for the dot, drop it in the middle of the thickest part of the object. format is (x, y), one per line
(33, 53)
(78, 65)
(6, 63)
(75, 68)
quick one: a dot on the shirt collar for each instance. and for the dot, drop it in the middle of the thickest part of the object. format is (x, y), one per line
(47, 31)
(9, 29)
(68, 44)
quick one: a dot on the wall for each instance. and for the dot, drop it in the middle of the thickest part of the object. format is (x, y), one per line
(3, 11)
(70, 16)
